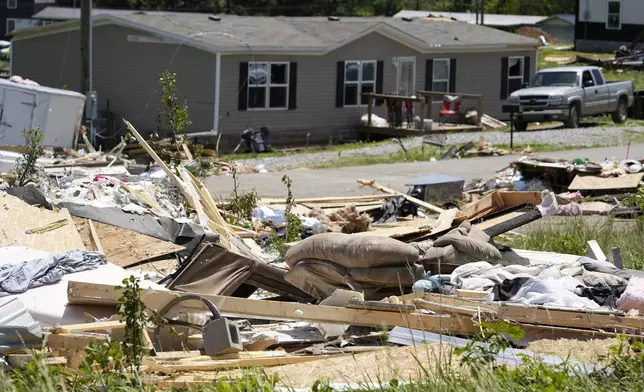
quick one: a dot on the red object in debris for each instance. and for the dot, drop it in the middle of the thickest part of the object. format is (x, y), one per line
(451, 106)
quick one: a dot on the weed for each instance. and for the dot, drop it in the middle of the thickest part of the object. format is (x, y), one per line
(132, 312)
(173, 115)
(484, 347)
(242, 204)
(26, 169)
(293, 223)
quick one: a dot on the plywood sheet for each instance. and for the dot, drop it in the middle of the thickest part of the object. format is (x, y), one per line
(588, 183)
(124, 247)
(18, 217)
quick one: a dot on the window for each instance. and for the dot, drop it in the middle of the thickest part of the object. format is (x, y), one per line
(599, 78)
(12, 4)
(11, 25)
(359, 78)
(587, 79)
(440, 77)
(268, 85)
(614, 16)
(515, 74)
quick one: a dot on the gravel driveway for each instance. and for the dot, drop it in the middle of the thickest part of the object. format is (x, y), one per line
(581, 137)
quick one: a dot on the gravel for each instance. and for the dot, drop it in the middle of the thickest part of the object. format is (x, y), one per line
(580, 137)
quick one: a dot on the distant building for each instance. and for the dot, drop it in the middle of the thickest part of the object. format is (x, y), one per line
(605, 25)
(562, 26)
(16, 14)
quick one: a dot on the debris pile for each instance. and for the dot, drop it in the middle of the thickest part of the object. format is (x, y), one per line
(365, 270)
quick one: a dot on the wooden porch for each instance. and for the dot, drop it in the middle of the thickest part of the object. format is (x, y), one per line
(423, 108)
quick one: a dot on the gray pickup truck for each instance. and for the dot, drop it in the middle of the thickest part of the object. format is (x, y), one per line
(568, 93)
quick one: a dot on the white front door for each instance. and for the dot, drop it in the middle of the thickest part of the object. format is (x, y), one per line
(406, 76)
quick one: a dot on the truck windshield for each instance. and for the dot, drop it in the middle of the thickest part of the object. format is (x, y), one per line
(546, 79)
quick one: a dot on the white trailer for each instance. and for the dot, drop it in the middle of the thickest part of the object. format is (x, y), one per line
(57, 112)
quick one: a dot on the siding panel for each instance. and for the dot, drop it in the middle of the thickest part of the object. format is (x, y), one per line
(125, 73)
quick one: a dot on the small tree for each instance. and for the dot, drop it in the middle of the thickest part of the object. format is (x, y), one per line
(173, 114)
(25, 169)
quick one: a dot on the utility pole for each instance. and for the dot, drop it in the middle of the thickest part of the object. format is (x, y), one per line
(84, 45)
(482, 12)
(476, 10)
(86, 86)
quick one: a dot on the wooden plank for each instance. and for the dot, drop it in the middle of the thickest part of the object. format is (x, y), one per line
(97, 294)
(125, 247)
(377, 305)
(375, 185)
(89, 327)
(186, 150)
(169, 368)
(562, 317)
(590, 183)
(73, 341)
(595, 251)
(95, 240)
(18, 217)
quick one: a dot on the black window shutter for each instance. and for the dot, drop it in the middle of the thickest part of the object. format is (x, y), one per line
(292, 86)
(452, 75)
(339, 85)
(429, 74)
(242, 98)
(526, 69)
(504, 78)
(380, 75)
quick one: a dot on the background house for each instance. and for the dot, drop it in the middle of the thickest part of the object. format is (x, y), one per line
(16, 14)
(605, 25)
(301, 76)
(562, 27)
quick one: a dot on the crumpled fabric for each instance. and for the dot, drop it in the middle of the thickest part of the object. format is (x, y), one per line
(20, 277)
(633, 296)
(552, 292)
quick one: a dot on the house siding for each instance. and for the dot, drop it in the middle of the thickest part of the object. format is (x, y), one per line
(316, 118)
(125, 73)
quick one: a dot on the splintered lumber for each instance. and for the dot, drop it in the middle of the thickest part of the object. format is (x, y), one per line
(335, 199)
(89, 327)
(98, 294)
(375, 185)
(169, 367)
(17, 218)
(121, 246)
(195, 194)
(95, 240)
(524, 314)
(49, 227)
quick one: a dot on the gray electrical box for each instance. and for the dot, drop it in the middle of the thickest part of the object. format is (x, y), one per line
(91, 105)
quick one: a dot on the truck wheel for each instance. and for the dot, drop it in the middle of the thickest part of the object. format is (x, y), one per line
(573, 117)
(621, 114)
(520, 125)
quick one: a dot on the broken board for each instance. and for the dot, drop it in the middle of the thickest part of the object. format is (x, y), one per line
(17, 218)
(124, 247)
(592, 183)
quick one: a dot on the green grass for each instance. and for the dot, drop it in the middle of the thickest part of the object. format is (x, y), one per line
(452, 373)
(570, 236)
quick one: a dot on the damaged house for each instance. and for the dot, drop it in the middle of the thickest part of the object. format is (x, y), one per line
(301, 76)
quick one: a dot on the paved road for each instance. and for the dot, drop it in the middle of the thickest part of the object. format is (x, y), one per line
(342, 181)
